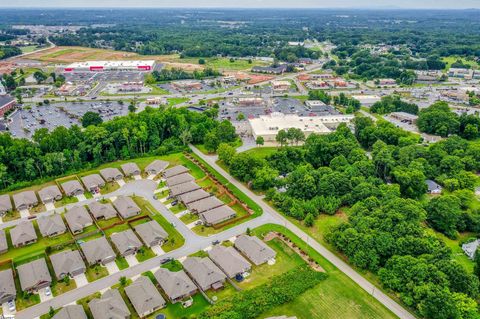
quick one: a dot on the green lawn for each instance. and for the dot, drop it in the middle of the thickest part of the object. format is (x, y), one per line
(261, 152)
(116, 229)
(455, 246)
(336, 297)
(178, 208)
(121, 263)
(96, 272)
(189, 218)
(177, 100)
(145, 253)
(225, 63)
(109, 187)
(105, 223)
(452, 59)
(30, 300)
(60, 287)
(84, 303)
(173, 265)
(66, 201)
(28, 48)
(177, 311)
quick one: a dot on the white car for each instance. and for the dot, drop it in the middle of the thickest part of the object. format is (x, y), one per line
(11, 305)
(48, 292)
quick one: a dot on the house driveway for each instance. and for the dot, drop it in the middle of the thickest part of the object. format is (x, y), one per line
(151, 177)
(112, 268)
(131, 260)
(43, 296)
(81, 198)
(24, 213)
(137, 177)
(158, 250)
(7, 312)
(121, 182)
(81, 280)
(49, 206)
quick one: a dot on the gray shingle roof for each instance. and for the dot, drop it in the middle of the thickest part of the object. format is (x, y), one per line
(5, 204)
(144, 296)
(126, 206)
(217, 215)
(23, 233)
(71, 312)
(51, 225)
(72, 188)
(3, 241)
(156, 167)
(229, 260)
(176, 170)
(205, 204)
(97, 250)
(50, 193)
(93, 181)
(67, 262)
(191, 197)
(183, 188)
(78, 218)
(433, 186)
(151, 233)
(256, 250)
(33, 274)
(130, 169)
(179, 179)
(175, 284)
(125, 241)
(111, 174)
(7, 286)
(99, 210)
(27, 198)
(203, 271)
(110, 306)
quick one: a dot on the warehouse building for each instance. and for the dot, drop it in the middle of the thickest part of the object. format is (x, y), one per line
(101, 66)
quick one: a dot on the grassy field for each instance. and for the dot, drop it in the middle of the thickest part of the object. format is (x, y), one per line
(177, 100)
(455, 246)
(224, 63)
(96, 272)
(452, 59)
(28, 48)
(336, 297)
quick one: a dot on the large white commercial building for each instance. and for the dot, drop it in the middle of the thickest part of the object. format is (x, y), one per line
(99, 66)
(367, 100)
(268, 126)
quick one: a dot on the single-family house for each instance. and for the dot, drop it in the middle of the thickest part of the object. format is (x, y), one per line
(179, 179)
(194, 196)
(110, 306)
(25, 200)
(3, 242)
(71, 312)
(102, 211)
(151, 233)
(126, 242)
(433, 187)
(126, 207)
(93, 182)
(51, 225)
(204, 273)
(144, 297)
(72, 188)
(5, 204)
(229, 260)
(8, 291)
(111, 174)
(23, 234)
(34, 275)
(254, 249)
(183, 188)
(176, 170)
(204, 205)
(131, 169)
(67, 263)
(98, 251)
(78, 219)
(50, 194)
(156, 167)
(176, 284)
(217, 215)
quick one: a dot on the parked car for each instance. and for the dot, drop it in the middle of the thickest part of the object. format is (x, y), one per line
(215, 242)
(48, 291)
(166, 260)
(11, 305)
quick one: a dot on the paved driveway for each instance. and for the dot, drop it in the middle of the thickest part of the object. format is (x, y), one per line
(24, 213)
(7, 312)
(158, 250)
(131, 260)
(81, 198)
(112, 268)
(43, 296)
(81, 280)
(121, 182)
(49, 206)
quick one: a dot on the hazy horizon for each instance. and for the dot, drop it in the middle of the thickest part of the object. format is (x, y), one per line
(273, 4)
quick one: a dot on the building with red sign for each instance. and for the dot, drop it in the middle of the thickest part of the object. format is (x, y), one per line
(101, 66)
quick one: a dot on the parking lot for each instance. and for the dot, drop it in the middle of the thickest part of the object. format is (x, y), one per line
(25, 121)
(284, 105)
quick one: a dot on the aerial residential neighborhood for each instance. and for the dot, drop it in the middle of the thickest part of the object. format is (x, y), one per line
(254, 160)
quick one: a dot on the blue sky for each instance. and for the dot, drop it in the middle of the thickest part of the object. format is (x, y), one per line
(438, 4)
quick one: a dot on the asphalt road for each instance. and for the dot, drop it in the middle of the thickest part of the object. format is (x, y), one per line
(388, 302)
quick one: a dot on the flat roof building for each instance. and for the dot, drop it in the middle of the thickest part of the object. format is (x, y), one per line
(99, 66)
(268, 126)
